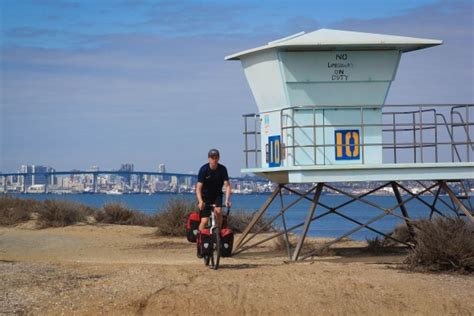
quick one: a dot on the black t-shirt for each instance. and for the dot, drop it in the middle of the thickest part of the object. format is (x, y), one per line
(212, 180)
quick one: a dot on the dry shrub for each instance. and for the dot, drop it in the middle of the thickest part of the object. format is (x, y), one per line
(117, 213)
(443, 244)
(55, 213)
(321, 250)
(171, 221)
(280, 243)
(309, 245)
(377, 245)
(402, 233)
(240, 219)
(14, 210)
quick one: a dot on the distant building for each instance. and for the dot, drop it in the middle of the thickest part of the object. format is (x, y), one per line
(126, 167)
(162, 169)
(188, 181)
(36, 175)
(174, 183)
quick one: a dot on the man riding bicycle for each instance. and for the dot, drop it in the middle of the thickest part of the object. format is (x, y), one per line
(211, 178)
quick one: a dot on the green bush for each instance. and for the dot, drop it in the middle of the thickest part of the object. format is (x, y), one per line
(443, 244)
(57, 213)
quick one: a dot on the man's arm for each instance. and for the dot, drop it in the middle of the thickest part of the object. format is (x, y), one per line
(228, 191)
(199, 195)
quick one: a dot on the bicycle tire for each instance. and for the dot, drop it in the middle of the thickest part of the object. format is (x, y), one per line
(216, 249)
(207, 260)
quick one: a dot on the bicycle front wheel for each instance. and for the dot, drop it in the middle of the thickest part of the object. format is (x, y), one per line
(216, 248)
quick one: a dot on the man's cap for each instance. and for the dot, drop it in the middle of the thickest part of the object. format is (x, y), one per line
(213, 152)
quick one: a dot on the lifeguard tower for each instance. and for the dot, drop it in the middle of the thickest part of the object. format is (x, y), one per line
(322, 119)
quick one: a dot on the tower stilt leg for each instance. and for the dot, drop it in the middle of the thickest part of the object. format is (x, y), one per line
(403, 208)
(309, 216)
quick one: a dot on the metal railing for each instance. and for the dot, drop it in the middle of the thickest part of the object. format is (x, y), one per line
(428, 133)
(252, 140)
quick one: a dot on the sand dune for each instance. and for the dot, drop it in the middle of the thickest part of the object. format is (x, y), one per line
(112, 269)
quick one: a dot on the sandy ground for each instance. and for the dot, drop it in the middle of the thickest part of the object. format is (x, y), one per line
(87, 269)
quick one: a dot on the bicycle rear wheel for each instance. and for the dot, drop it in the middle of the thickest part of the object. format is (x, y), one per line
(216, 248)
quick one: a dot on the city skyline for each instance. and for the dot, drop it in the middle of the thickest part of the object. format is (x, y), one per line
(33, 179)
(87, 83)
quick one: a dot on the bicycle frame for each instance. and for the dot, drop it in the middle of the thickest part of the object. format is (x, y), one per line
(212, 221)
(215, 240)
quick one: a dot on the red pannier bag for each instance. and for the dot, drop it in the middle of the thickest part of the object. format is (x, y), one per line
(227, 242)
(192, 226)
(204, 242)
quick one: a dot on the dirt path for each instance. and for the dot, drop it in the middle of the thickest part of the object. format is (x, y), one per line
(126, 270)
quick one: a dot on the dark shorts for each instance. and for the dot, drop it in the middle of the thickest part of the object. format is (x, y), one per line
(207, 209)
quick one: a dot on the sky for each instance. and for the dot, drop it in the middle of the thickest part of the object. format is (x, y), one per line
(86, 83)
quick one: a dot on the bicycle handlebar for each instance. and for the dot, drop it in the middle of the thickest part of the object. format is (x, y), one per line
(215, 205)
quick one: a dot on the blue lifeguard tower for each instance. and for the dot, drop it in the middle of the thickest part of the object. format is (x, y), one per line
(322, 119)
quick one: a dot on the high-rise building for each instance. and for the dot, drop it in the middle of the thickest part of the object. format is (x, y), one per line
(161, 169)
(35, 175)
(174, 183)
(127, 177)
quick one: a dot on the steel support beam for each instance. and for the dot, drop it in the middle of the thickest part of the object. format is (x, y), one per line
(440, 199)
(434, 203)
(456, 200)
(314, 203)
(369, 227)
(328, 244)
(257, 216)
(283, 220)
(280, 233)
(281, 212)
(298, 255)
(403, 208)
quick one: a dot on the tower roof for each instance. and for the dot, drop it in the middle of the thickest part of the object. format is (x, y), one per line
(327, 39)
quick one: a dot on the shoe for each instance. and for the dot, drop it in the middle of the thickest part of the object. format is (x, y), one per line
(199, 254)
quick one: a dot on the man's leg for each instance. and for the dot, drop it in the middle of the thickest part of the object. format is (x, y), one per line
(218, 211)
(203, 223)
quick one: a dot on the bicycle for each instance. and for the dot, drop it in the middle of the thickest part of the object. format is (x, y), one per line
(212, 259)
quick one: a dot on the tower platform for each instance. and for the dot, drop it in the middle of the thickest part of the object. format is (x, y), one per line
(368, 172)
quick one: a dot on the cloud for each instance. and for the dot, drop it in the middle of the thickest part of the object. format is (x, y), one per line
(195, 17)
(27, 32)
(132, 92)
(62, 4)
(441, 74)
(147, 97)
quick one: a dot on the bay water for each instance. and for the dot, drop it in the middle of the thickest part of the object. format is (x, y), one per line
(331, 225)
